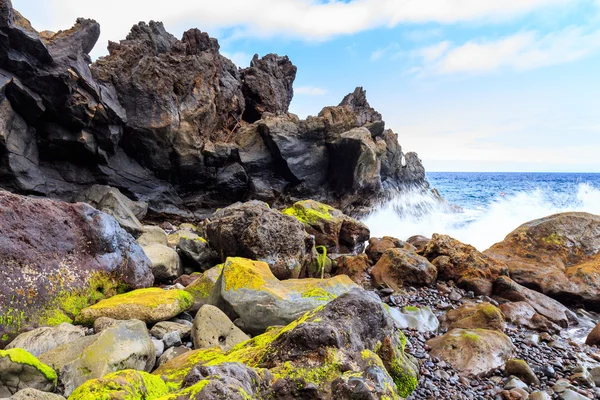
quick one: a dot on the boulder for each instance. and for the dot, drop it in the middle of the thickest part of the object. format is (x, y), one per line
(213, 328)
(551, 309)
(19, 370)
(102, 323)
(558, 255)
(202, 288)
(41, 340)
(522, 314)
(160, 329)
(166, 265)
(337, 232)
(313, 356)
(149, 305)
(398, 268)
(473, 316)
(84, 253)
(267, 86)
(418, 242)
(253, 230)
(378, 246)
(126, 345)
(355, 267)
(421, 319)
(472, 352)
(593, 338)
(521, 370)
(152, 235)
(111, 201)
(469, 268)
(172, 353)
(127, 384)
(34, 394)
(196, 252)
(248, 290)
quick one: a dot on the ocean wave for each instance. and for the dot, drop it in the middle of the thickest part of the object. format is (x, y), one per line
(421, 213)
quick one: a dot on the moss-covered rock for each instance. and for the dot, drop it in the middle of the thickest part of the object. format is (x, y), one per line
(149, 305)
(318, 350)
(202, 287)
(249, 289)
(473, 316)
(122, 385)
(19, 369)
(125, 345)
(58, 258)
(41, 340)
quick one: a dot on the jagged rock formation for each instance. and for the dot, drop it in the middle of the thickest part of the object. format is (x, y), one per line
(174, 123)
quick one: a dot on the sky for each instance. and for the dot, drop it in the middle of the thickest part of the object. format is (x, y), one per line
(470, 85)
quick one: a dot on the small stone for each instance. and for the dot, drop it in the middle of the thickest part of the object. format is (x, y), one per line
(172, 339)
(160, 347)
(162, 328)
(521, 370)
(213, 328)
(172, 353)
(515, 383)
(569, 394)
(539, 395)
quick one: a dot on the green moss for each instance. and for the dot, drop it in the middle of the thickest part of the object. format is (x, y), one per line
(187, 393)
(202, 288)
(403, 339)
(122, 385)
(310, 212)
(241, 273)
(23, 357)
(470, 336)
(318, 294)
(406, 383)
(5, 337)
(321, 259)
(322, 372)
(411, 309)
(555, 239)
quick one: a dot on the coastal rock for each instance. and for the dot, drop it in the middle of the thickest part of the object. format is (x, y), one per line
(398, 267)
(83, 252)
(249, 291)
(593, 339)
(166, 265)
(339, 233)
(126, 345)
(149, 305)
(418, 242)
(196, 252)
(41, 340)
(253, 230)
(462, 263)
(549, 308)
(355, 267)
(122, 385)
(521, 370)
(267, 86)
(19, 370)
(172, 353)
(472, 352)
(34, 394)
(557, 255)
(160, 329)
(473, 316)
(421, 319)
(523, 314)
(313, 356)
(202, 288)
(213, 328)
(378, 246)
(152, 235)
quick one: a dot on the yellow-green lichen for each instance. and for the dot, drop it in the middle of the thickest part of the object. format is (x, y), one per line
(310, 212)
(20, 356)
(202, 288)
(318, 294)
(555, 239)
(321, 372)
(187, 393)
(411, 309)
(122, 385)
(241, 273)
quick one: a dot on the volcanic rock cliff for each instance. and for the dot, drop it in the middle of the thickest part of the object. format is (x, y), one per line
(174, 123)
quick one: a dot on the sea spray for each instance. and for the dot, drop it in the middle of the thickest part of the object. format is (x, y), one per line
(416, 212)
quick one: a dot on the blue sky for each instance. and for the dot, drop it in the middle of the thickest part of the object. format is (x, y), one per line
(470, 85)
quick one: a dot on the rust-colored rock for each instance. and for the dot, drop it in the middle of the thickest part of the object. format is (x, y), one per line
(469, 268)
(593, 339)
(378, 246)
(356, 267)
(523, 314)
(558, 255)
(398, 267)
(56, 258)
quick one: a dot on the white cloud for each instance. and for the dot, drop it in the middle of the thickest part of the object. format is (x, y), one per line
(384, 51)
(521, 51)
(302, 19)
(310, 91)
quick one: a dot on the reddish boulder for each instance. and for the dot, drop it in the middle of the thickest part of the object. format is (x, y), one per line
(469, 268)
(378, 246)
(398, 267)
(356, 267)
(56, 258)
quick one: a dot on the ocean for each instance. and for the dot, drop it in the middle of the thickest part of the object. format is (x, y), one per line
(490, 205)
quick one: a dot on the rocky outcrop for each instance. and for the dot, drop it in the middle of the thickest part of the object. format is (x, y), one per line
(173, 123)
(558, 255)
(56, 258)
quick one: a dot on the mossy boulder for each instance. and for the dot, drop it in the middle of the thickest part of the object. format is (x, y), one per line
(336, 349)
(248, 291)
(255, 231)
(397, 268)
(57, 258)
(122, 385)
(149, 305)
(473, 316)
(464, 264)
(339, 233)
(126, 345)
(44, 339)
(472, 351)
(557, 255)
(19, 369)
(202, 287)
